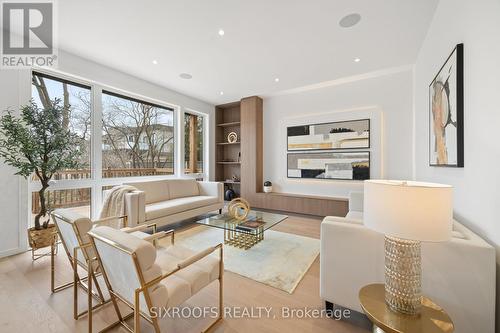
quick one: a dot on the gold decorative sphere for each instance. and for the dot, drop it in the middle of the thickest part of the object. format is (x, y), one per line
(238, 208)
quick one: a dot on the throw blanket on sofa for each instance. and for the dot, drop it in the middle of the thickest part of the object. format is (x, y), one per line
(114, 203)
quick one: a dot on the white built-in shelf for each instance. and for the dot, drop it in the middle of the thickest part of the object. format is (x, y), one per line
(234, 123)
(228, 143)
(230, 182)
(236, 163)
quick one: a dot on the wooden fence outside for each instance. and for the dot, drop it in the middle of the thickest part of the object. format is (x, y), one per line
(81, 197)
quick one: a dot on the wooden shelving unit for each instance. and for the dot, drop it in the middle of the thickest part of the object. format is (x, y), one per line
(228, 119)
(244, 159)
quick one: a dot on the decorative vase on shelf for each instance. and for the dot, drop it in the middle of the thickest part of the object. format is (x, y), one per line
(268, 187)
(232, 137)
(229, 195)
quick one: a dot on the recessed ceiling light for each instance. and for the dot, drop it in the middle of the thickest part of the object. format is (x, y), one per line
(350, 20)
(155, 62)
(357, 60)
(185, 76)
(221, 32)
(221, 93)
(277, 79)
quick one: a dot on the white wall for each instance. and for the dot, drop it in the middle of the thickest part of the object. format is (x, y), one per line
(16, 90)
(385, 97)
(477, 185)
(14, 189)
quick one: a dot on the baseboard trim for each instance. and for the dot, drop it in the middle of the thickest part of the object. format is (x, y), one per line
(356, 318)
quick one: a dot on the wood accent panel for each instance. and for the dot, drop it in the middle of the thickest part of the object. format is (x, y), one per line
(251, 147)
(302, 204)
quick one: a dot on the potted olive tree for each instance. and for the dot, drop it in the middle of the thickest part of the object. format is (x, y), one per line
(38, 142)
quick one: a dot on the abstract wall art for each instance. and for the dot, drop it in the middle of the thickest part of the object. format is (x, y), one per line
(329, 165)
(446, 112)
(333, 135)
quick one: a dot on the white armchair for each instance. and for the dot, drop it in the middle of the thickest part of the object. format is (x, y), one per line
(146, 279)
(72, 229)
(459, 275)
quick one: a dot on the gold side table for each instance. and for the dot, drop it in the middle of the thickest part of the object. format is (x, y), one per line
(432, 319)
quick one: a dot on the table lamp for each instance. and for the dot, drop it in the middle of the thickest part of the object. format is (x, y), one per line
(407, 213)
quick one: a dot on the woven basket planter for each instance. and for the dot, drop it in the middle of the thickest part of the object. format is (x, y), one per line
(42, 238)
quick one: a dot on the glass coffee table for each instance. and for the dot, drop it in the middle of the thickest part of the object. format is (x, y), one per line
(243, 234)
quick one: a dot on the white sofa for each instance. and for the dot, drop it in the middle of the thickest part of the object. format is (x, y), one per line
(172, 200)
(459, 274)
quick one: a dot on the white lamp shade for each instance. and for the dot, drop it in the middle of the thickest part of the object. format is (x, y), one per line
(409, 210)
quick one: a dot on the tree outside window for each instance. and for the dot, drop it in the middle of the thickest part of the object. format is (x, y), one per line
(138, 137)
(76, 101)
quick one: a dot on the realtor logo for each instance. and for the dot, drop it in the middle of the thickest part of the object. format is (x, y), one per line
(27, 34)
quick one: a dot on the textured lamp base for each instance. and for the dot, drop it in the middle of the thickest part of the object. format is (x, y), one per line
(403, 275)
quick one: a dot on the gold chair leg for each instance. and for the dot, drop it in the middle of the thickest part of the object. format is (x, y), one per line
(67, 285)
(98, 287)
(89, 294)
(75, 287)
(156, 326)
(137, 316)
(120, 322)
(52, 269)
(221, 292)
(221, 282)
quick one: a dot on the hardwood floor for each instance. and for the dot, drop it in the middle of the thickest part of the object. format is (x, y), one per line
(27, 304)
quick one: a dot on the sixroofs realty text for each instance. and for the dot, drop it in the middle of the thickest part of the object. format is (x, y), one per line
(257, 312)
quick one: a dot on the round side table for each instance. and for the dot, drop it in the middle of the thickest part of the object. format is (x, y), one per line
(432, 319)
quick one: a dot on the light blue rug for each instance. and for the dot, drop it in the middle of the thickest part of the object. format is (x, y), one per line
(281, 260)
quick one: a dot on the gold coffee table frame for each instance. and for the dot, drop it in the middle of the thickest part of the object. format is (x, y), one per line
(243, 239)
(238, 237)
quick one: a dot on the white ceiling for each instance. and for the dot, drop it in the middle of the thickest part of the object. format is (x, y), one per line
(298, 41)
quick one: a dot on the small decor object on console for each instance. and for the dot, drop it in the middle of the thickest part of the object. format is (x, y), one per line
(268, 187)
(238, 208)
(407, 213)
(229, 194)
(446, 114)
(232, 137)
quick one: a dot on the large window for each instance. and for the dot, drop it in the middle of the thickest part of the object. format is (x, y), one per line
(77, 116)
(120, 137)
(137, 137)
(193, 143)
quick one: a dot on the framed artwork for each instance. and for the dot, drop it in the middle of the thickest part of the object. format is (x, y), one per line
(354, 165)
(446, 112)
(333, 135)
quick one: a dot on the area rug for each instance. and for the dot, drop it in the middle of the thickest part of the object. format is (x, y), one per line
(281, 260)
